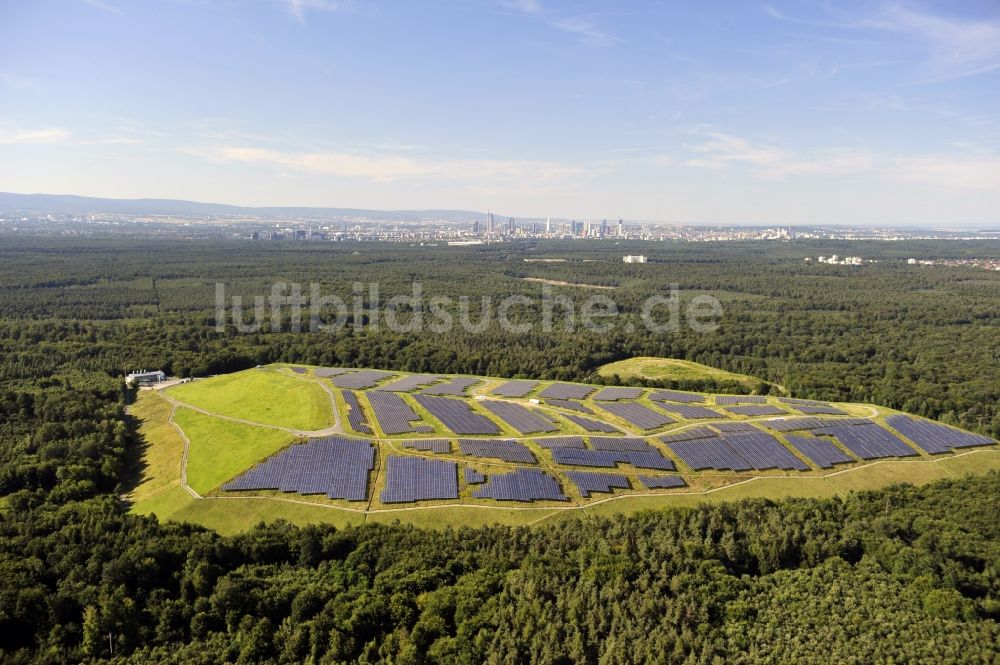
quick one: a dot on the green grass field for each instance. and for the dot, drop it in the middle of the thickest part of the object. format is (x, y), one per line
(221, 449)
(261, 396)
(670, 369)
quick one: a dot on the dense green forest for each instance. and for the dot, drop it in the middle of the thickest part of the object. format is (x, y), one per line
(900, 575)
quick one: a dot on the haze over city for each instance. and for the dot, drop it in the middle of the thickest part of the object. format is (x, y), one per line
(764, 113)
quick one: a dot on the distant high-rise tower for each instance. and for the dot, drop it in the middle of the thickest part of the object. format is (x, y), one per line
(548, 225)
(511, 227)
(489, 222)
(586, 229)
(475, 227)
(621, 228)
(604, 228)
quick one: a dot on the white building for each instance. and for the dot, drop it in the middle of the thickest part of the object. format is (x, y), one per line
(634, 259)
(136, 378)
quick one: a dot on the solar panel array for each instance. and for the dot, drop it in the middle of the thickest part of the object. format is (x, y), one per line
(824, 409)
(409, 479)
(355, 416)
(517, 388)
(935, 437)
(521, 485)
(521, 418)
(662, 482)
(334, 465)
(360, 380)
(566, 391)
(409, 383)
(738, 450)
(638, 415)
(325, 372)
(457, 415)
(613, 393)
(393, 413)
(299, 370)
(756, 410)
(590, 424)
(689, 435)
(473, 477)
(620, 443)
(561, 442)
(868, 441)
(691, 411)
(821, 451)
(798, 401)
(609, 457)
(429, 445)
(505, 449)
(456, 386)
(674, 396)
(734, 427)
(569, 404)
(589, 481)
(739, 399)
(794, 424)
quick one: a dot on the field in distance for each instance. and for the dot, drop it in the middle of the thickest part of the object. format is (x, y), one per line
(347, 445)
(670, 369)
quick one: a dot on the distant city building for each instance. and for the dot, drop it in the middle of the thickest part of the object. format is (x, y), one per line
(634, 259)
(621, 228)
(475, 227)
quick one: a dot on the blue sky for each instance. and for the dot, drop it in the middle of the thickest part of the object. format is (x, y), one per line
(783, 112)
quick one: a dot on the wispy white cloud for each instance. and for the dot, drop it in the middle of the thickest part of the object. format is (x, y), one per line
(105, 7)
(298, 8)
(384, 168)
(585, 31)
(47, 135)
(959, 170)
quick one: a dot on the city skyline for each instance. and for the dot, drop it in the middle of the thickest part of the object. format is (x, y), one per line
(763, 113)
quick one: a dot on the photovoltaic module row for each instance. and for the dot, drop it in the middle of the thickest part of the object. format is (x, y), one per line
(935, 437)
(611, 458)
(711, 453)
(521, 485)
(756, 410)
(411, 479)
(691, 411)
(457, 415)
(360, 380)
(869, 441)
(734, 427)
(473, 477)
(355, 416)
(561, 442)
(739, 399)
(737, 451)
(795, 424)
(662, 482)
(517, 388)
(335, 466)
(589, 481)
(456, 386)
(613, 393)
(821, 409)
(570, 405)
(689, 435)
(632, 443)
(591, 425)
(675, 396)
(409, 383)
(504, 449)
(299, 370)
(638, 415)
(566, 391)
(820, 450)
(326, 372)
(521, 418)
(394, 415)
(429, 445)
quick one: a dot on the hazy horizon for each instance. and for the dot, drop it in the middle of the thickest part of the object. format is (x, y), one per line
(759, 113)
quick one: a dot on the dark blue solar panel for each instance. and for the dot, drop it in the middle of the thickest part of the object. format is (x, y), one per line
(756, 410)
(820, 451)
(648, 459)
(590, 424)
(869, 441)
(638, 415)
(763, 451)
(411, 479)
(521, 485)
(326, 372)
(355, 416)
(935, 437)
(570, 405)
(675, 396)
(429, 445)
(517, 388)
(560, 442)
(689, 434)
(734, 427)
(588, 482)
(613, 393)
(334, 465)
(473, 477)
(505, 449)
(622, 443)
(457, 416)
(361, 379)
(299, 370)
(566, 391)
(521, 418)
(394, 415)
(739, 399)
(662, 482)
(709, 453)
(691, 411)
(409, 383)
(824, 409)
(456, 386)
